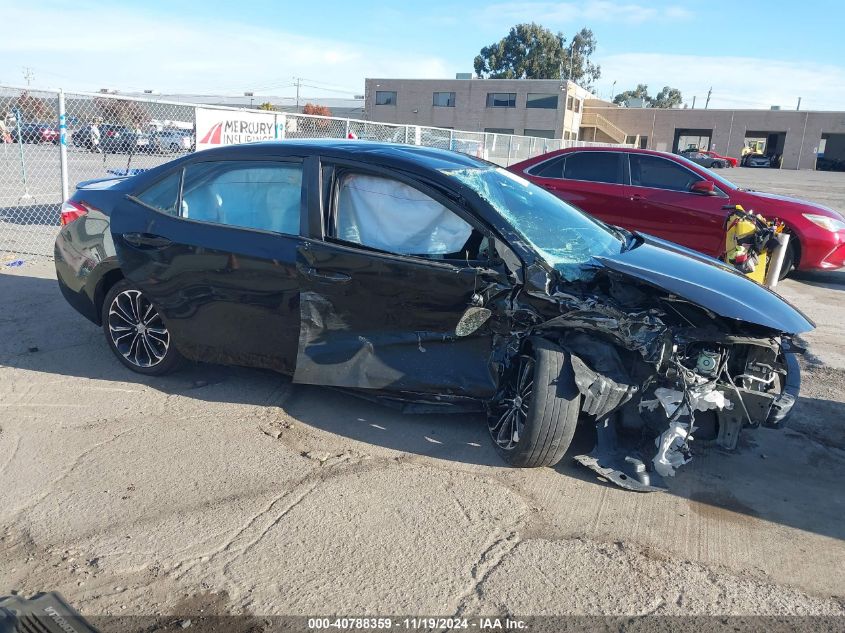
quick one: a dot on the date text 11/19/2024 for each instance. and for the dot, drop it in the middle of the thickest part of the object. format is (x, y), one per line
(415, 623)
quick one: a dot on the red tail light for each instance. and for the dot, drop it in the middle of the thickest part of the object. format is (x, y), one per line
(71, 211)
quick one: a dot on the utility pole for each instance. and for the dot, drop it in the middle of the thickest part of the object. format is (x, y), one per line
(798, 107)
(709, 92)
(612, 90)
(298, 82)
(28, 75)
(693, 103)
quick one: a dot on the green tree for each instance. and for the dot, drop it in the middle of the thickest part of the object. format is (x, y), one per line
(531, 51)
(267, 106)
(666, 98)
(577, 64)
(640, 92)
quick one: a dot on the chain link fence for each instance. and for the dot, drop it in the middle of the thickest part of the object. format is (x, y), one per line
(115, 135)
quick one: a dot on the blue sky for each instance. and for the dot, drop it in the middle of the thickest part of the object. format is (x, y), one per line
(753, 53)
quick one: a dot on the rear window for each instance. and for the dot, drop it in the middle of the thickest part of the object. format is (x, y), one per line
(163, 195)
(550, 169)
(261, 195)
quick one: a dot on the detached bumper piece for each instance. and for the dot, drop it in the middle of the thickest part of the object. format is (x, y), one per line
(618, 464)
(43, 613)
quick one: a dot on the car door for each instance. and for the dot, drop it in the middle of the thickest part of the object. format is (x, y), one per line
(383, 291)
(593, 181)
(662, 204)
(214, 247)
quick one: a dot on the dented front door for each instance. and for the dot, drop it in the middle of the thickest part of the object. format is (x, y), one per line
(373, 320)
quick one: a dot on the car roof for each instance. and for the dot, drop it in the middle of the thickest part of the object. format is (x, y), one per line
(369, 151)
(589, 148)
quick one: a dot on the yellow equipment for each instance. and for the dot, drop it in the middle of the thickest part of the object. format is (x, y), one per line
(754, 245)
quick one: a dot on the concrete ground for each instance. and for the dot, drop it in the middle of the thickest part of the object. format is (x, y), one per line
(232, 491)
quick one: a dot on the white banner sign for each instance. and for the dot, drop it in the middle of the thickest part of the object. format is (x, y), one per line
(229, 127)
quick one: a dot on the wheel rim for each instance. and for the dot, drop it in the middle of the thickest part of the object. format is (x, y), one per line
(507, 424)
(136, 329)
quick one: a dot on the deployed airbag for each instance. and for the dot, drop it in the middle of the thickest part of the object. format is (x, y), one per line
(391, 216)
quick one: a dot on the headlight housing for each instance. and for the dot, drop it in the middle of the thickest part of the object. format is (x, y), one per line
(825, 222)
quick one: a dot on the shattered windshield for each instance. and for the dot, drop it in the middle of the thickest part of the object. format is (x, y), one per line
(563, 236)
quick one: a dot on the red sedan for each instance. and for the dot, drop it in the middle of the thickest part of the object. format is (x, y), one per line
(671, 197)
(731, 162)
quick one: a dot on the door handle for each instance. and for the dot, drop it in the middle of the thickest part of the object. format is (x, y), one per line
(146, 240)
(330, 276)
(637, 197)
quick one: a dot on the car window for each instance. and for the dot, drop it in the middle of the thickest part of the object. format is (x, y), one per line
(594, 167)
(249, 194)
(389, 215)
(164, 194)
(659, 173)
(550, 169)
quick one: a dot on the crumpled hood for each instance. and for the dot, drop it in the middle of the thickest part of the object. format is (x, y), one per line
(707, 282)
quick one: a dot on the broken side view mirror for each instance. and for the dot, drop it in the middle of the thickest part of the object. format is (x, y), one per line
(703, 187)
(472, 319)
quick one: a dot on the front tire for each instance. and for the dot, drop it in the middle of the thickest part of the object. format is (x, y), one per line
(136, 332)
(789, 259)
(533, 424)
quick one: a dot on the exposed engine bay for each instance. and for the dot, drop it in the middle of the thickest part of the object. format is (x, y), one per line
(658, 374)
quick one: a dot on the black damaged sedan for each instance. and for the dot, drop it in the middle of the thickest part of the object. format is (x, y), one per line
(432, 280)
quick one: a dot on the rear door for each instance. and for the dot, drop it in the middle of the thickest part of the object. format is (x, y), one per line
(662, 204)
(591, 180)
(384, 290)
(214, 247)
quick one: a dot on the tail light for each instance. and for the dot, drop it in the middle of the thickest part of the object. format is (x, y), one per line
(71, 211)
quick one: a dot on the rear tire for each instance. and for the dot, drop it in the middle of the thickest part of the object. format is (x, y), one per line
(136, 332)
(534, 422)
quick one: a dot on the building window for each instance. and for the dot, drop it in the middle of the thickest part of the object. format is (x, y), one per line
(539, 133)
(542, 100)
(444, 99)
(577, 105)
(501, 99)
(569, 103)
(499, 130)
(385, 97)
(566, 136)
(575, 136)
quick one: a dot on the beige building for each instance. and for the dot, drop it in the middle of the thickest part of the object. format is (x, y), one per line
(801, 139)
(545, 108)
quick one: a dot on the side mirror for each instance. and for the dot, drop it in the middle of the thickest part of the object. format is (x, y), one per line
(472, 319)
(703, 187)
